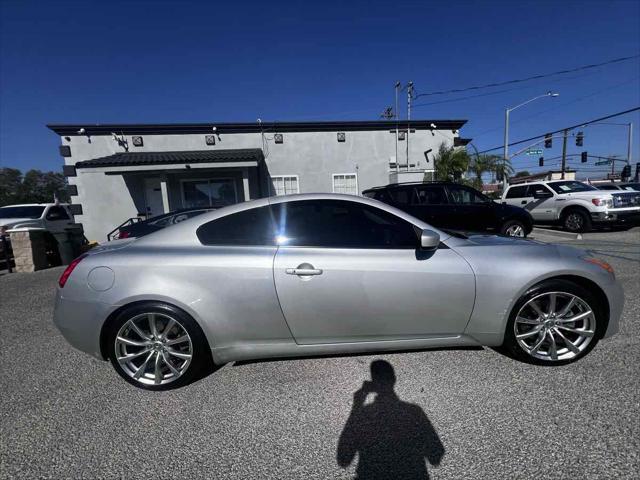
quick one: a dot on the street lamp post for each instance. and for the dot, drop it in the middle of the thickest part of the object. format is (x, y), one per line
(506, 131)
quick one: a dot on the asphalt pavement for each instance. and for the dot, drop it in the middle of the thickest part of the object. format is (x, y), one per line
(462, 413)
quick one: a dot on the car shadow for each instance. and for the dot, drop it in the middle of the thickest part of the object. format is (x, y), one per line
(392, 438)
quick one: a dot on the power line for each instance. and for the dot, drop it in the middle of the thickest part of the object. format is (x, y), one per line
(527, 79)
(581, 124)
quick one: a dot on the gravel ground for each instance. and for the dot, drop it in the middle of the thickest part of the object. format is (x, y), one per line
(482, 415)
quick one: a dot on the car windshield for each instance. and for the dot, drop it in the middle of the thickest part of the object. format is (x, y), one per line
(21, 212)
(631, 187)
(571, 186)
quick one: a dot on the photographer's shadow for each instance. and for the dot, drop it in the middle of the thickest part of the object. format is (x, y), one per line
(393, 439)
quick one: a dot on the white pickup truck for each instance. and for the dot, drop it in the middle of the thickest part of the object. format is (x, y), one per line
(573, 204)
(50, 216)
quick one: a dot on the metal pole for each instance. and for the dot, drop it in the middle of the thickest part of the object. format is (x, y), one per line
(564, 152)
(629, 144)
(396, 112)
(506, 147)
(409, 93)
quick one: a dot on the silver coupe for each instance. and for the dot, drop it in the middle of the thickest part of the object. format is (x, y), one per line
(320, 274)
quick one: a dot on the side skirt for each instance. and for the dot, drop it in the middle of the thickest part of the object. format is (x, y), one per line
(283, 349)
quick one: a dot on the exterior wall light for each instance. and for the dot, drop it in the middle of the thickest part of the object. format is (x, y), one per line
(342, 136)
(210, 139)
(278, 138)
(137, 141)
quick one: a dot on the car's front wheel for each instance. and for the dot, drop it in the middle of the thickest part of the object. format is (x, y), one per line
(514, 228)
(156, 346)
(554, 323)
(576, 220)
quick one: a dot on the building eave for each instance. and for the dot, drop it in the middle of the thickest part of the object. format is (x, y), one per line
(252, 127)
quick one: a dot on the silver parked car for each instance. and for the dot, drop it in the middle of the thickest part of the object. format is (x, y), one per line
(323, 274)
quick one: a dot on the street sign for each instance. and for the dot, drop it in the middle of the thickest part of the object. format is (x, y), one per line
(604, 162)
(534, 152)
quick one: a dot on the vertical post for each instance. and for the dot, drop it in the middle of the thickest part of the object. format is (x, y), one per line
(629, 143)
(613, 167)
(165, 195)
(396, 112)
(564, 151)
(409, 93)
(506, 148)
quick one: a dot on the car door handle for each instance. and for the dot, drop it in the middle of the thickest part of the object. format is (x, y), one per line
(303, 271)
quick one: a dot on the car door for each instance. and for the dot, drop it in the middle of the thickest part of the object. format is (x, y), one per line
(541, 202)
(472, 211)
(349, 272)
(56, 219)
(429, 203)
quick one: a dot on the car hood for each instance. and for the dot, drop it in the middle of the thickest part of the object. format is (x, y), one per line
(530, 246)
(590, 194)
(16, 222)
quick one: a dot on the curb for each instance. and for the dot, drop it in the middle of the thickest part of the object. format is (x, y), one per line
(557, 233)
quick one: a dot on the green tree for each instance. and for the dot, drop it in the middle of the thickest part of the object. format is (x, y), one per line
(451, 163)
(482, 164)
(10, 185)
(522, 173)
(34, 187)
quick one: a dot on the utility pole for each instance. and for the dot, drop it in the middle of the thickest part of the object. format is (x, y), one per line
(629, 143)
(409, 95)
(506, 148)
(397, 87)
(564, 151)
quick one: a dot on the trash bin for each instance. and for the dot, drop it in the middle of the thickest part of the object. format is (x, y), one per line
(65, 247)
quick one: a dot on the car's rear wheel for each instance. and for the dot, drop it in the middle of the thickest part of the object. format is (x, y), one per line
(156, 346)
(576, 221)
(513, 228)
(555, 323)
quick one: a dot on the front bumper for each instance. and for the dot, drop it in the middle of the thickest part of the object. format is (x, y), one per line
(627, 215)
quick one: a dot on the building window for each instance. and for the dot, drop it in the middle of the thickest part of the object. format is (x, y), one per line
(284, 184)
(345, 183)
(209, 193)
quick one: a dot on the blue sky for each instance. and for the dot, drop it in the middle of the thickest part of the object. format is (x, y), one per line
(188, 61)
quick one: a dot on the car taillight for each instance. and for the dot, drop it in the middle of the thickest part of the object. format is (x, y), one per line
(67, 271)
(123, 234)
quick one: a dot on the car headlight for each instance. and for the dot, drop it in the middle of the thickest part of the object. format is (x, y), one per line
(601, 263)
(602, 202)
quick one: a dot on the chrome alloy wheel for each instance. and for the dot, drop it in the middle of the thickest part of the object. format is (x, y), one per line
(555, 326)
(514, 231)
(574, 222)
(153, 348)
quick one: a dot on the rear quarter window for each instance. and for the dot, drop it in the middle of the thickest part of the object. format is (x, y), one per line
(517, 192)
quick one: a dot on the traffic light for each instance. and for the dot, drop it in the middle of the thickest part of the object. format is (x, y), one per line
(583, 157)
(626, 171)
(548, 140)
(579, 139)
(541, 162)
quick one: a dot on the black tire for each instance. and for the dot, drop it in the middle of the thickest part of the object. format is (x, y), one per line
(576, 220)
(510, 226)
(513, 348)
(200, 361)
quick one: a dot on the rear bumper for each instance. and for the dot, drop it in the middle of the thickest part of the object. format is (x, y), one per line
(80, 323)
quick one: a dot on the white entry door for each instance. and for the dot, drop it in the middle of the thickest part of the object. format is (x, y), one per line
(153, 197)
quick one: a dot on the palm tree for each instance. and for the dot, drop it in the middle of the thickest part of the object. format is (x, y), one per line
(451, 163)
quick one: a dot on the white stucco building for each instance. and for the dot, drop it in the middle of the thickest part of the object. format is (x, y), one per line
(120, 171)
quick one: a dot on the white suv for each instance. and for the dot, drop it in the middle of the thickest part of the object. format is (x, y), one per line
(50, 216)
(575, 205)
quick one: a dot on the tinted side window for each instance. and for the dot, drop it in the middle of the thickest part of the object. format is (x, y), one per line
(340, 224)
(517, 192)
(464, 195)
(249, 227)
(401, 196)
(430, 195)
(537, 188)
(57, 213)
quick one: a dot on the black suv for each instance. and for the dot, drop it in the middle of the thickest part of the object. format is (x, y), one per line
(454, 206)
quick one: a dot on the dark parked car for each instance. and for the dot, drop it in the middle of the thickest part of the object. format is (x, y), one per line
(153, 224)
(454, 206)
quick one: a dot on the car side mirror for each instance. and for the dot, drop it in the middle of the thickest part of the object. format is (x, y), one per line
(429, 240)
(541, 194)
